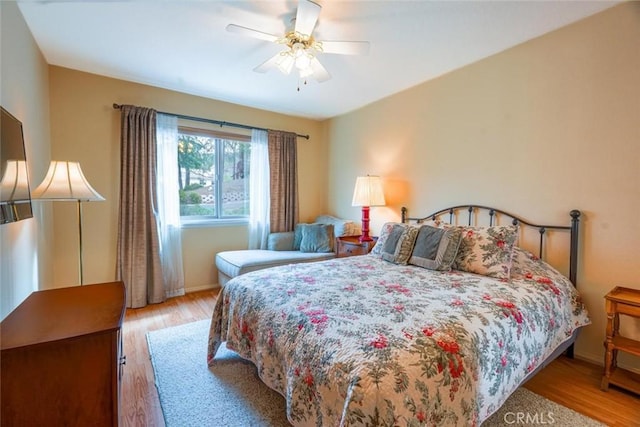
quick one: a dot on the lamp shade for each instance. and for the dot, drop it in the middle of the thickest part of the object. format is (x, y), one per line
(66, 182)
(368, 191)
(15, 183)
(285, 62)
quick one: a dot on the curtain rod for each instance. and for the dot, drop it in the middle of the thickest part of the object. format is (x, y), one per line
(215, 122)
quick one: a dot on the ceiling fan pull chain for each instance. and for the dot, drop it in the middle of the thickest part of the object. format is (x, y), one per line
(304, 82)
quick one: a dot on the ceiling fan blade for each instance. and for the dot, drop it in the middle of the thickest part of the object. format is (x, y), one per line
(232, 28)
(346, 48)
(307, 16)
(319, 72)
(269, 64)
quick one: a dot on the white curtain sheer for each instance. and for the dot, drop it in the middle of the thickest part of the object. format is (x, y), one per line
(259, 190)
(169, 205)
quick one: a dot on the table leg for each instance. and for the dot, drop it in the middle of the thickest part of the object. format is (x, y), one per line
(609, 352)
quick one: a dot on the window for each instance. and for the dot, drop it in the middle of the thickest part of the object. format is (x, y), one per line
(213, 174)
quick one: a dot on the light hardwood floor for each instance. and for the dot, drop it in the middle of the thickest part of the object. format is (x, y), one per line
(572, 383)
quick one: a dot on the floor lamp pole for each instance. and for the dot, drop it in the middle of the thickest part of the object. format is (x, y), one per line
(65, 182)
(80, 241)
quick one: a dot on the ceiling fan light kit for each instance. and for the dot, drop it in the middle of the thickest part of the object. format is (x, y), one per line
(301, 51)
(302, 48)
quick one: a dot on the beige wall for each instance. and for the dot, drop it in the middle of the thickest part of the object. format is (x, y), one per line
(86, 128)
(540, 129)
(24, 245)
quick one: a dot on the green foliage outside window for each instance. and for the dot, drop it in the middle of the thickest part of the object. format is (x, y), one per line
(212, 168)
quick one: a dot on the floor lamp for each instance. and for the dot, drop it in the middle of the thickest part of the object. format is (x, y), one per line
(368, 192)
(65, 182)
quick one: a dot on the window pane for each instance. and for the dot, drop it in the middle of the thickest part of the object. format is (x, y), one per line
(214, 175)
(235, 178)
(196, 162)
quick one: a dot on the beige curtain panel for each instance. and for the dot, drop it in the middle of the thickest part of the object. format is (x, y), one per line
(138, 256)
(283, 171)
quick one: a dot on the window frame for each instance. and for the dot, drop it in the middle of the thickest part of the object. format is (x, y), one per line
(195, 221)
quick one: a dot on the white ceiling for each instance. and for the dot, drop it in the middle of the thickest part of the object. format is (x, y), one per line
(183, 45)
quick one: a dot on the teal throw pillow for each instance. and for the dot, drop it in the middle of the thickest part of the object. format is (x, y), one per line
(316, 237)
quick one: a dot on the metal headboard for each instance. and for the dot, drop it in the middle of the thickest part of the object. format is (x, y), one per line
(453, 212)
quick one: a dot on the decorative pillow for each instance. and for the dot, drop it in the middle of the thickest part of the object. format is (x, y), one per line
(317, 238)
(436, 248)
(385, 231)
(527, 264)
(437, 223)
(528, 267)
(487, 250)
(341, 227)
(399, 244)
(282, 241)
(297, 236)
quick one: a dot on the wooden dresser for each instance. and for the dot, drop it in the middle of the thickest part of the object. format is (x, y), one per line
(62, 356)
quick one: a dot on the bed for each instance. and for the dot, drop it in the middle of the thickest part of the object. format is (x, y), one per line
(422, 331)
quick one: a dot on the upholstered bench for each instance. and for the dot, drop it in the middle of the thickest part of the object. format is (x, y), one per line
(308, 243)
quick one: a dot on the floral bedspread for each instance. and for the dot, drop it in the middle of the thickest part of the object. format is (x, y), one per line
(360, 341)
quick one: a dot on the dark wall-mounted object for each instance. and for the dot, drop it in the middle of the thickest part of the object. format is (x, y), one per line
(15, 194)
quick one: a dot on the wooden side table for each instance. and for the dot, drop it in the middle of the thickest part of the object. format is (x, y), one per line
(351, 246)
(620, 301)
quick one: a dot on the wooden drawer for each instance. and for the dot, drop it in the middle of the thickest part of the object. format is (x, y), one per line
(351, 246)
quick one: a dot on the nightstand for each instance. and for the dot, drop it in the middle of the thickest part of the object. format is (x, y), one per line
(351, 246)
(620, 301)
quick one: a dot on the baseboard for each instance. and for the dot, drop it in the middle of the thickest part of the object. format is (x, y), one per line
(589, 358)
(201, 288)
(599, 360)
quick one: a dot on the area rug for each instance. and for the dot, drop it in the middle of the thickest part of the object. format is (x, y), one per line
(231, 394)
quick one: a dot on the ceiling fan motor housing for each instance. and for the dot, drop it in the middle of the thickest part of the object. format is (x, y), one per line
(293, 38)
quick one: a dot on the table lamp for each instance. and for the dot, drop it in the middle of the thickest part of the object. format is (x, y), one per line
(368, 192)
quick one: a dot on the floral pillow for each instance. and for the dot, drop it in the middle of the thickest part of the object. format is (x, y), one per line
(529, 269)
(524, 263)
(528, 266)
(487, 250)
(386, 230)
(438, 223)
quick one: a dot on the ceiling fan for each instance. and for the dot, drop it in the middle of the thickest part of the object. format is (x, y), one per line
(301, 47)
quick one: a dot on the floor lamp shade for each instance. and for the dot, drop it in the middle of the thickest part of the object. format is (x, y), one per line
(65, 182)
(367, 192)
